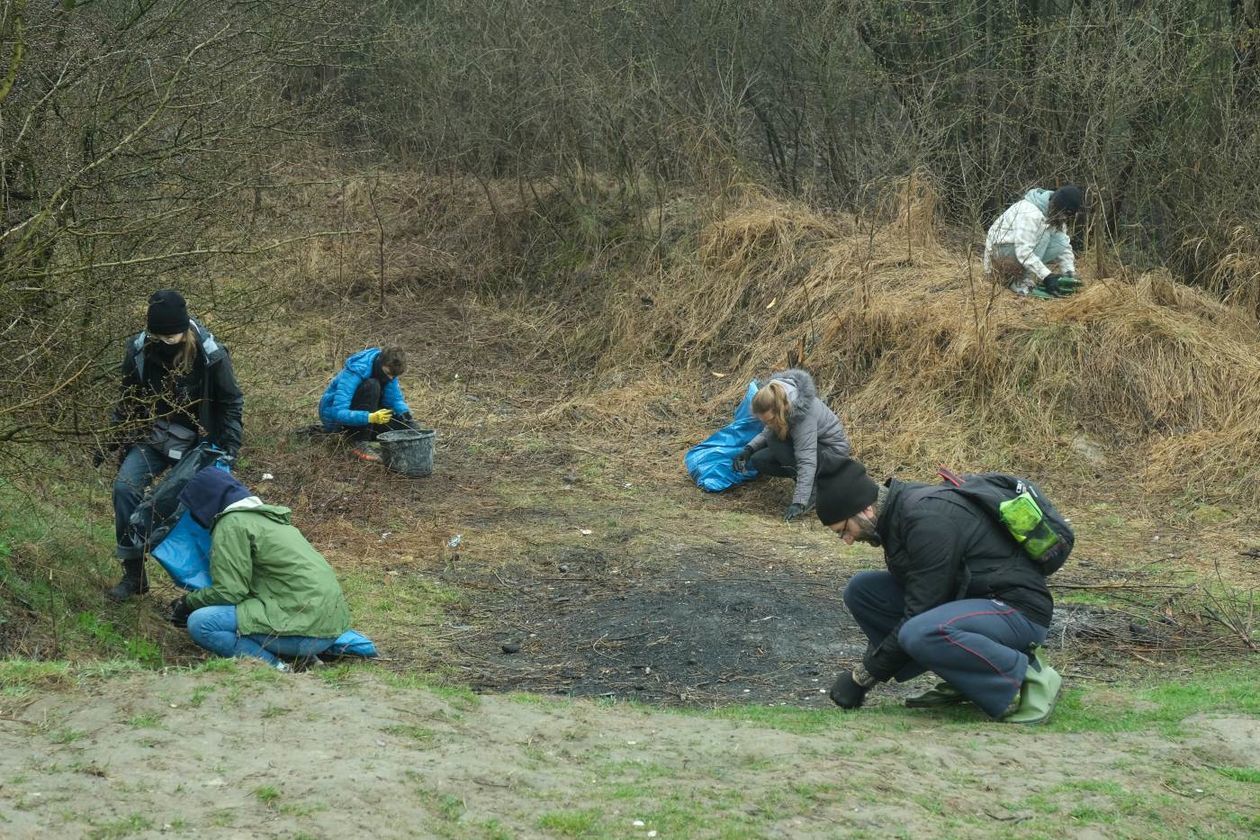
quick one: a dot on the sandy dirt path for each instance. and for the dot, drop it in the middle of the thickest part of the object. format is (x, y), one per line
(245, 752)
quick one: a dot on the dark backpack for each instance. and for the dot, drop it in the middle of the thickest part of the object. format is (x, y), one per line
(160, 509)
(1023, 511)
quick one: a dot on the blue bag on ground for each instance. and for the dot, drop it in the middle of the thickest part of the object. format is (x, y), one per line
(709, 462)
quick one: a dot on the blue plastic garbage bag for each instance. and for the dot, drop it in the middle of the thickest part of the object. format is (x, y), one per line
(185, 554)
(351, 643)
(709, 462)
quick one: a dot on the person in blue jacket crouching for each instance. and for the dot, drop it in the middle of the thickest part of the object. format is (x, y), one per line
(365, 399)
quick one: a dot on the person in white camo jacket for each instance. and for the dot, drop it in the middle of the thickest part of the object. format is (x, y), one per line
(1031, 237)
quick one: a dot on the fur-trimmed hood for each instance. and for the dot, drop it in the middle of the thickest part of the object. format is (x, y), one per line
(801, 392)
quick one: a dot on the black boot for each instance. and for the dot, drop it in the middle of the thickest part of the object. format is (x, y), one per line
(134, 581)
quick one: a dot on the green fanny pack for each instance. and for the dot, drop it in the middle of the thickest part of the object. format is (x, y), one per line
(1024, 519)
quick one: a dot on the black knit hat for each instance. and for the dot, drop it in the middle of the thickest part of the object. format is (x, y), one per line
(1068, 199)
(846, 491)
(168, 314)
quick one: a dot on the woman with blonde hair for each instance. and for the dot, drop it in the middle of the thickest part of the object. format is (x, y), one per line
(802, 438)
(178, 388)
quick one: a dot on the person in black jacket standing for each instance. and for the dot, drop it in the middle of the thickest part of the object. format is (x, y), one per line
(178, 388)
(959, 598)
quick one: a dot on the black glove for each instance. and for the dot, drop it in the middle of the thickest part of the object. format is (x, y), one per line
(104, 451)
(740, 462)
(846, 692)
(794, 510)
(1060, 285)
(180, 612)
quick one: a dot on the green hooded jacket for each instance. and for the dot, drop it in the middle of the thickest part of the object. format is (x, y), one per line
(278, 582)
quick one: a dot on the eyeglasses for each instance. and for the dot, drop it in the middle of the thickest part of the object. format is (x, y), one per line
(168, 339)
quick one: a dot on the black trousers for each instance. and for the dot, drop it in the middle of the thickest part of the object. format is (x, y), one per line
(367, 397)
(778, 458)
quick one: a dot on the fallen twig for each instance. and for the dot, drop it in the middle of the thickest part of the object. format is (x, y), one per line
(1054, 585)
(1017, 818)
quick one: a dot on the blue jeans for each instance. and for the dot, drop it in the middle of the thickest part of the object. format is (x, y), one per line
(977, 645)
(142, 464)
(214, 628)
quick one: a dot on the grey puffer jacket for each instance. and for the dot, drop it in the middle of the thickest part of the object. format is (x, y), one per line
(812, 427)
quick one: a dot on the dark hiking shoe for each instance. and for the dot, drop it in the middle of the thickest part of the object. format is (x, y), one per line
(1038, 694)
(941, 694)
(134, 581)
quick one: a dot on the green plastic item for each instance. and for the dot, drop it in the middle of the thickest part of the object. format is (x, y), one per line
(1024, 519)
(1038, 693)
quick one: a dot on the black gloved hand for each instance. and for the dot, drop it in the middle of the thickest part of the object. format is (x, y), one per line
(846, 692)
(1060, 285)
(793, 511)
(180, 612)
(740, 462)
(105, 450)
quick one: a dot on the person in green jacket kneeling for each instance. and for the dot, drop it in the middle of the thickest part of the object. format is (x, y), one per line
(273, 595)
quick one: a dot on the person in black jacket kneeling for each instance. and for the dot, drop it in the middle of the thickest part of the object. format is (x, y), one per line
(959, 598)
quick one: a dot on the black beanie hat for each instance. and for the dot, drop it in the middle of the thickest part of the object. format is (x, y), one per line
(846, 491)
(1068, 198)
(168, 314)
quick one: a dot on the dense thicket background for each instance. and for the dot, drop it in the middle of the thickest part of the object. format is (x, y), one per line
(146, 143)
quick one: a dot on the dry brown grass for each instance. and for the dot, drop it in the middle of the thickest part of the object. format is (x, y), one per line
(926, 362)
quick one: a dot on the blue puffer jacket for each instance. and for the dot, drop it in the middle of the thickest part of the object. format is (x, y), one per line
(334, 406)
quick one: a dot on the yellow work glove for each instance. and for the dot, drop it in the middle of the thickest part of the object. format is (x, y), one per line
(381, 417)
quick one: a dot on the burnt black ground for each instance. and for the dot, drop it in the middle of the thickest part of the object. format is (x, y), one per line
(710, 631)
(685, 637)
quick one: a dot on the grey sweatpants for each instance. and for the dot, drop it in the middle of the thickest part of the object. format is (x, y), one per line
(977, 645)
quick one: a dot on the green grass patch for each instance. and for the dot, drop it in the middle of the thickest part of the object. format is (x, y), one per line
(66, 735)
(1249, 775)
(103, 631)
(217, 665)
(412, 732)
(418, 600)
(56, 557)
(146, 720)
(1163, 706)
(459, 696)
(1084, 598)
(571, 823)
(267, 794)
(21, 676)
(341, 674)
(125, 827)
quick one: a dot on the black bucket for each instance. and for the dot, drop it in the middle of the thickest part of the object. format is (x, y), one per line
(408, 451)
